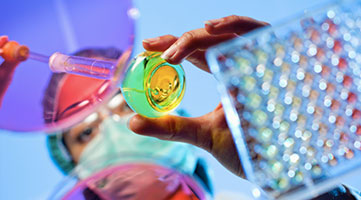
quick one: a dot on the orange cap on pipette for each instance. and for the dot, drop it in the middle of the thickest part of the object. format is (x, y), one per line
(13, 51)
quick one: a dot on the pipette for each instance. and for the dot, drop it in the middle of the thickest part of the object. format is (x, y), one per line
(90, 67)
(58, 62)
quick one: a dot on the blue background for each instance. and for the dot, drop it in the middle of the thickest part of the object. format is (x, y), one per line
(26, 171)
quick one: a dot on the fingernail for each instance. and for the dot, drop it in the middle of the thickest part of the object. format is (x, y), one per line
(4, 37)
(208, 23)
(151, 40)
(169, 52)
(213, 22)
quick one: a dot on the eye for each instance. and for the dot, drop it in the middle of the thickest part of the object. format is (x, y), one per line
(86, 135)
(126, 107)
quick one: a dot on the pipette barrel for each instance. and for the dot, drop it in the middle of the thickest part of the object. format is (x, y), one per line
(99, 69)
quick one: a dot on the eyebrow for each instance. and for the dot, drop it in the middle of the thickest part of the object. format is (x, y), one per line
(58, 116)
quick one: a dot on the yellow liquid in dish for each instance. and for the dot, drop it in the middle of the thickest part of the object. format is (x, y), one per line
(153, 87)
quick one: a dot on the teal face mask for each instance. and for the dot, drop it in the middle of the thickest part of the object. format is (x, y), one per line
(116, 144)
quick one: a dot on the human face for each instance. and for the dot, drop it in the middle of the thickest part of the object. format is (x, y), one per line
(77, 138)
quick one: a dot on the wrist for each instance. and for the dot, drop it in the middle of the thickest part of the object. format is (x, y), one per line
(7, 70)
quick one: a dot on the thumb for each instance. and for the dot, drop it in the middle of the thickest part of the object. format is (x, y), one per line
(3, 40)
(174, 128)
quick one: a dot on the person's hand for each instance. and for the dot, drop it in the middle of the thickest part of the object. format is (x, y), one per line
(7, 69)
(209, 131)
(6, 64)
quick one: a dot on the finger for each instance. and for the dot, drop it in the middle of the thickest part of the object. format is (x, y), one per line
(174, 128)
(159, 43)
(189, 42)
(3, 40)
(233, 24)
(162, 43)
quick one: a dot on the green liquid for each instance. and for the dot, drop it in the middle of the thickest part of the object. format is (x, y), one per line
(153, 87)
